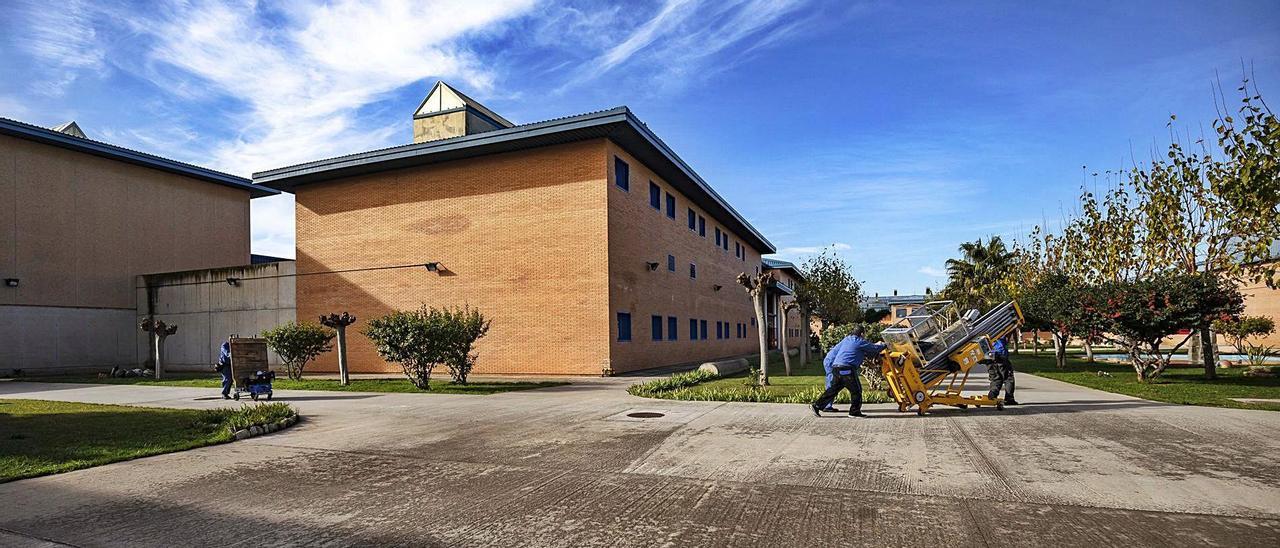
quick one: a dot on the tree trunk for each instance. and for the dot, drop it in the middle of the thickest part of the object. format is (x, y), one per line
(1035, 341)
(1088, 350)
(782, 338)
(1208, 354)
(1017, 340)
(1060, 349)
(804, 341)
(762, 330)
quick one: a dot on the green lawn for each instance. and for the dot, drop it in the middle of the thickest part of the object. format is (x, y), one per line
(803, 386)
(357, 385)
(1184, 385)
(46, 437)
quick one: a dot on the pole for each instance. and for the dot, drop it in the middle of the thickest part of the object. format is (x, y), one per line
(344, 377)
(159, 343)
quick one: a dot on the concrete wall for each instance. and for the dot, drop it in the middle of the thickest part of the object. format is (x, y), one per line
(521, 237)
(640, 234)
(52, 339)
(76, 228)
(207, 309)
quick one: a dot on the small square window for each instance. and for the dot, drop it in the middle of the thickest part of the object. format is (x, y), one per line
(656, 322)
(693, 220)
(655, 196)
(693, 270)
(702, 329)
(621, 174)
(671, 206)
(702, 226)
(624, 326)
(671, 263)
(671, 328)
(693, 329)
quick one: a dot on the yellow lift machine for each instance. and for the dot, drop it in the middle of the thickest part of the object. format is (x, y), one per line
(931, 351)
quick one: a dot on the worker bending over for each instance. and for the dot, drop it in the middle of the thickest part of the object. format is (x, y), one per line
(844, 361)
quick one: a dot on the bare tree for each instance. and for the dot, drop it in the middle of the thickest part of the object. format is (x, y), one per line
(786, 309)
(757, 287)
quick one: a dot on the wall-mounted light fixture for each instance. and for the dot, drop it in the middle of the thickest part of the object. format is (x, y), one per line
(716, 287)
(233, 282)
(432, 267)
(652, 266)
(11, 282)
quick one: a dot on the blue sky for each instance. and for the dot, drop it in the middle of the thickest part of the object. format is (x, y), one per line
(891, 131)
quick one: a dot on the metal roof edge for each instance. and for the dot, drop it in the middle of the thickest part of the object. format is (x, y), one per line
(47, 136)
(413, 149)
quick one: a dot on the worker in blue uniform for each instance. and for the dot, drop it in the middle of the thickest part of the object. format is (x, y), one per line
(1000, 372)
(223, 368)
(844, 361)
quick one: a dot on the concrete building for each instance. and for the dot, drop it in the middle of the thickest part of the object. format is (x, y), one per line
(590, 244)
(79, 221)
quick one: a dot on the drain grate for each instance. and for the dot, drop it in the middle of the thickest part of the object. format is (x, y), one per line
(645, 415)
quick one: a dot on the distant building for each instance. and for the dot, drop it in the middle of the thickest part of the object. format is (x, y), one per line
(899, 306)
(590, 244)
(79, 220)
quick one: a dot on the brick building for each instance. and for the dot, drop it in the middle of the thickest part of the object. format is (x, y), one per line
(79, 220)
(590, 244)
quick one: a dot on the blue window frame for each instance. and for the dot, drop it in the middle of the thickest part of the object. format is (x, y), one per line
(702, 226)
(624, 326)
(702, 329)
(693, 220)
(656, 322)
(672, 328)
(693, 329)
(671, 206)
(655, 196)
(693, 270)
(671, 263)
(621, 174)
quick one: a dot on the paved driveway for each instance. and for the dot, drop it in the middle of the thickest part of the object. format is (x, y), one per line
(565, 466)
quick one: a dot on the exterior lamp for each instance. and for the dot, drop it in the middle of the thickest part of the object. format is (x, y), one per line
(11, 282)
(652, 266)
(432, 267)
(716, 287)
(233, 282)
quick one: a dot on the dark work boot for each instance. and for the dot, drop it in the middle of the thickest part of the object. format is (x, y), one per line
(816, 412)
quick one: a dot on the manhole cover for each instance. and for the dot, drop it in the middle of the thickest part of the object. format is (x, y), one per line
(644, 415)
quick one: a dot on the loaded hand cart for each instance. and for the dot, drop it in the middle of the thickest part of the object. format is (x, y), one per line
(249, 369)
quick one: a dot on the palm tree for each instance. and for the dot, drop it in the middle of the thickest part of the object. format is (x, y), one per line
(977, 279)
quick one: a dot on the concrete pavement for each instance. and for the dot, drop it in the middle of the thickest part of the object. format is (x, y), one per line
(566, 466)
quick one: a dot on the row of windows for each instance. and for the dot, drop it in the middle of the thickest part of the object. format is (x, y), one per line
(666, 328)
(697, 223)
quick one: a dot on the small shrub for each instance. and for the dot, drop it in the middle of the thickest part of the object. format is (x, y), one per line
(247, 415)
(421, 339)
(653, 388)
(298, 343)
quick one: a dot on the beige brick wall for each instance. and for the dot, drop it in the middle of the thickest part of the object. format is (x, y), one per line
(76, 228)
(639, 234)
(1260, 300)
(521, 234)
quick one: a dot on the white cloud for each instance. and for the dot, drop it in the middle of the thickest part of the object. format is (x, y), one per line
(684, 34)
(812, 249)
(933, 271)
(62, 36)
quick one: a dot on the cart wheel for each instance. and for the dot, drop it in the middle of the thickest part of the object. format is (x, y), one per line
(254, 396)
(268, 396)
(920, 412)
(236, 396)
(999, 406)
(963, 406)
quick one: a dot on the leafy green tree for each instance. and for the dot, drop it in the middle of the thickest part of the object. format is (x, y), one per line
(1239, 330)
(1055, 304)
(1143, 313)
(419, 340)
(298, 343)
(829, 290)
(977, 279)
